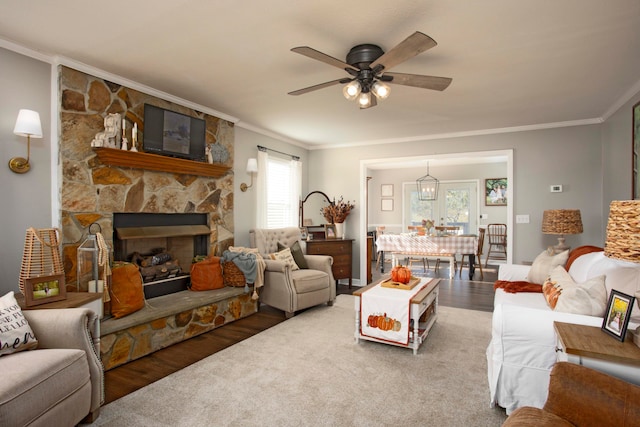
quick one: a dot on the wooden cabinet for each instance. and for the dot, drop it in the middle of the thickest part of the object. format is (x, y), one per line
(340, 249)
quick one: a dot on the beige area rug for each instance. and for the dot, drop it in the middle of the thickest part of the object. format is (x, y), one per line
(308, 371)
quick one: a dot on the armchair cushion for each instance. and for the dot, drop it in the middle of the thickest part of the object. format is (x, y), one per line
(15, 332)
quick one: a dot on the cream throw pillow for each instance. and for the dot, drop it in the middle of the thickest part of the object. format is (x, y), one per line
(15, 332)
(588, 298)
(286, 256)
(544, 264)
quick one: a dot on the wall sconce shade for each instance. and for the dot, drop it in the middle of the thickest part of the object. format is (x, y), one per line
(252, 167)
(561, 222)
(623, 231)
(27, 124)
(427, 187)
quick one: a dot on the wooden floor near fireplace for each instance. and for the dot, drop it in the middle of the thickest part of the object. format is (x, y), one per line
(130, 377)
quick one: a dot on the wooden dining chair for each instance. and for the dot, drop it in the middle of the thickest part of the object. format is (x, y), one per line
(497, 235)
(449, 229)
(478, 261)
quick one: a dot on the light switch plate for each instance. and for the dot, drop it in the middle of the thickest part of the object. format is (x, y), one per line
(484, 216)
(556, 188)
(522, 219)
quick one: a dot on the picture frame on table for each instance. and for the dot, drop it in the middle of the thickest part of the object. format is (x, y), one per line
(304, 233)
(330, 231)
(495, 192)
(44, 289)
(617, 315)
(386, 190)
(386, 205)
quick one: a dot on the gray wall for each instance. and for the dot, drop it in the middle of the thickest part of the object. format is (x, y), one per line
(25, 198)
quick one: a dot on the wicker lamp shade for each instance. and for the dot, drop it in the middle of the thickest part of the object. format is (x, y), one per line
(561, 222)
(623, 231)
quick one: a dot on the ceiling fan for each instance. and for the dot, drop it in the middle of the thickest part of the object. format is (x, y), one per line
(368, 65)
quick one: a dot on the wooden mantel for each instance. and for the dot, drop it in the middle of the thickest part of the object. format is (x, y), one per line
(155, 162)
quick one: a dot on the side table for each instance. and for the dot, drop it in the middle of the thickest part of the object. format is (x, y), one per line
(591, 347)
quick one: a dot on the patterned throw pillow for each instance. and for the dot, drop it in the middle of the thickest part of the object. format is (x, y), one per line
(285, 255)
(544, 264)
(15, 332)
(298, 255)
(564, 294)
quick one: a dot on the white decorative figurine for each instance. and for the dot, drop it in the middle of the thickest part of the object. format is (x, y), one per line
(111, 136)
(125, 141)
(209, 155)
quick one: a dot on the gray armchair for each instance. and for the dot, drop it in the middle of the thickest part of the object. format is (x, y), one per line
(292, 290)
(61, 382)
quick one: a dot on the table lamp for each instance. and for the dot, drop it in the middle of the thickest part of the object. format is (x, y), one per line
(623, 231)
(561, 222)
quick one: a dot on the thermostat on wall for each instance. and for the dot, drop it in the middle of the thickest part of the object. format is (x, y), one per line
(556, 188)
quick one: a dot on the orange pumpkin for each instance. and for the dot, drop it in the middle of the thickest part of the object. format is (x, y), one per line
(401, 274)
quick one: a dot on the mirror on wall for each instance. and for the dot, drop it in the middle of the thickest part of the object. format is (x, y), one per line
(310, 209)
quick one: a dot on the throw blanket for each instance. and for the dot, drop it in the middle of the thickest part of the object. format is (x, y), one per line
(518, 286)
(249, 261)
(385, 312)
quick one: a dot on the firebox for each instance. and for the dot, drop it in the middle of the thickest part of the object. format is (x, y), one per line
(163, 245)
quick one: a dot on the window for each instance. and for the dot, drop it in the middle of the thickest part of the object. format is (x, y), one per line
(282, 192)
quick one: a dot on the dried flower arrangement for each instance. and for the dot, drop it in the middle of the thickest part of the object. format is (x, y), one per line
(337, 212)
(427, 223)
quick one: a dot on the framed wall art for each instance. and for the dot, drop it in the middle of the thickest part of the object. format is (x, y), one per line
(386, 190)
(44, 289)
(495, 191)
(386, 205)
(616, 318)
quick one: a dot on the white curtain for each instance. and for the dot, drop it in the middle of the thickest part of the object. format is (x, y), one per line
(261, 190)
(295, 190)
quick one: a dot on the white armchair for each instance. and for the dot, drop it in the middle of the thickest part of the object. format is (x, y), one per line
(292, 290)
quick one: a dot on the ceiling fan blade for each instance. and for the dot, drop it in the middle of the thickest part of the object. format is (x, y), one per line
(322, 57)
(316, 87)
(411, 46)
(416, 80)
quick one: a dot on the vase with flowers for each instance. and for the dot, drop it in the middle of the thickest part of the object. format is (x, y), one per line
(337, 213)
(428, 225)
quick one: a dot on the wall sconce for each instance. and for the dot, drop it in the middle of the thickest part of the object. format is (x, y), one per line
(27, 124)
(252, 167)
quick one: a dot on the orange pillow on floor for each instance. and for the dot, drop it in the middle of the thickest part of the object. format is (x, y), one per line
(206, 274)
(126, 291)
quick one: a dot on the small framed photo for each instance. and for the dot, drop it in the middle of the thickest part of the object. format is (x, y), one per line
(44, 289)
(330, 231)
(386, 190)
(304, 233)
(616, 318)
(495, 192)
(387, 205)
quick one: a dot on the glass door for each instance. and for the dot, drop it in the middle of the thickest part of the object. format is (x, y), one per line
(457, 205)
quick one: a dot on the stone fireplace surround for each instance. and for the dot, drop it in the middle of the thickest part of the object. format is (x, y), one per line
(91, 192)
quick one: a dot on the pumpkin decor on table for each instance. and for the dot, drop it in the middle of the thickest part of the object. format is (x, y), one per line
(384, 323)
(401, 274)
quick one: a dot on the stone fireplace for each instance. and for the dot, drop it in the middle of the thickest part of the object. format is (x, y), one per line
(92, 191)
(163, 246)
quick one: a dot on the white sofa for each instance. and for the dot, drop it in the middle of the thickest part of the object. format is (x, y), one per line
(522, 348)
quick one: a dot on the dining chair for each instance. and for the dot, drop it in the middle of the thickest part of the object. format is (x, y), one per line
(449, 229)
(478, 260)
(379, 230)
(497, 234)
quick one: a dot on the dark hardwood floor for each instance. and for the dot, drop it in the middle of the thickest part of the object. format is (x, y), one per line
(120, 381)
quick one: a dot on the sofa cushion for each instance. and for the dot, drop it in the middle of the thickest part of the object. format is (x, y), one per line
(544, 264)
(297, 253)
(564, 294)
(309, 280)
(33, 382)
(286, 256)
(15, 332)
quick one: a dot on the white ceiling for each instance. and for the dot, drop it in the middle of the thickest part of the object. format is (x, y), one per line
(514, 63)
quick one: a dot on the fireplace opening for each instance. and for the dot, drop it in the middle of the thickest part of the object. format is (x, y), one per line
(163, 246)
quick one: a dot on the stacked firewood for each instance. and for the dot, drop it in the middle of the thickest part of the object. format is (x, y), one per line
(156, 265)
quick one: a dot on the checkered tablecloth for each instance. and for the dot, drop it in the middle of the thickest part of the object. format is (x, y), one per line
(427, 244)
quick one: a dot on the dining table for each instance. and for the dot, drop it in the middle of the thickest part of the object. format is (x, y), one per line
(425, 245)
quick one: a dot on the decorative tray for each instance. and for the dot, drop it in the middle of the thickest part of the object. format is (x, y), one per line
(397, 285)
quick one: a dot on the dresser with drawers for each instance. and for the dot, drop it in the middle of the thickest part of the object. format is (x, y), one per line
(340, 249)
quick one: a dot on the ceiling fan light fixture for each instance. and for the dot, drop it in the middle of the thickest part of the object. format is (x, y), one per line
(381, 90)
(352, 90)
(364, 100)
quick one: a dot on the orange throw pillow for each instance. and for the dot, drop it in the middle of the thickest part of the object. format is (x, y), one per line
(206, 274)
(126, 291)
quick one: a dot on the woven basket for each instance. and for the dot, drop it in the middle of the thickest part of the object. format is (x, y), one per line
(623, 231)
(231, 275)
(41, 255)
